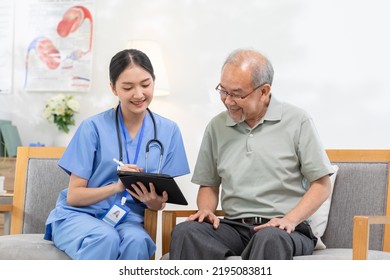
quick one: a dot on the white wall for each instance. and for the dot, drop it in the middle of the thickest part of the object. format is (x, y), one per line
(331, 57)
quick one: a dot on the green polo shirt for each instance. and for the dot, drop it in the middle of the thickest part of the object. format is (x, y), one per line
(261, 169)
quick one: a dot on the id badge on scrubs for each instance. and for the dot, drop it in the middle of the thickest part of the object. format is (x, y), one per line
(115, 214)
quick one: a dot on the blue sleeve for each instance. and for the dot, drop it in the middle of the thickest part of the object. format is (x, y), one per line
(78, 157)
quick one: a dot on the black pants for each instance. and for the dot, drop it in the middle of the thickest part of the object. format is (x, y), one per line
(200, 241)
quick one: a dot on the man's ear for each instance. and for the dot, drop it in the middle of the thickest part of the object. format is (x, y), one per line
(266, 89)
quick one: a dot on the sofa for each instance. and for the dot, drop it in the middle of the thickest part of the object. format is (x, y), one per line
(38, 181)
(354, 223)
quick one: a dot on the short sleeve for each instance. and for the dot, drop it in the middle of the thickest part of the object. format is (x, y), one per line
(79, 155)
(313, 158)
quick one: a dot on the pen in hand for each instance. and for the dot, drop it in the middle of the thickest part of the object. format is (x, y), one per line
(129, 167)
(118, 162)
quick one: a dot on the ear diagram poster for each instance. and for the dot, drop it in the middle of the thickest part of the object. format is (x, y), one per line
(58, 51)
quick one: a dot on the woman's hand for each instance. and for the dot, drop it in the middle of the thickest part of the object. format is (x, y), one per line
(151, 199)
(130, 167)
(127, 167)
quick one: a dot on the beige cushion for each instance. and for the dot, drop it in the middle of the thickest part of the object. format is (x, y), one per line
(29, 247)
(342, 254)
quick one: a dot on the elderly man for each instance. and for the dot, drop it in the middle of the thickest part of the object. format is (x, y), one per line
(265, 158)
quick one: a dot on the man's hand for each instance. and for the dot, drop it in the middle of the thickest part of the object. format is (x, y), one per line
(205, 216)
(282, 223)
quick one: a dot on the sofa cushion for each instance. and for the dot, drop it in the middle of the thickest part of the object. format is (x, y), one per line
(342, 254)
(29, 247)
(328, 254)
(45, 180)
(360, 190)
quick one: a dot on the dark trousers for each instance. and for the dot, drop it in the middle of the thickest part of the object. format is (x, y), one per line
(200, 241)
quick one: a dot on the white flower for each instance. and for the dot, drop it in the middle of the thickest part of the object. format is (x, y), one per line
(73, 104)
(60, 109)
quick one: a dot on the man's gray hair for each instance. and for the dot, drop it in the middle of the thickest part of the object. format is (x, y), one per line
(261, 68)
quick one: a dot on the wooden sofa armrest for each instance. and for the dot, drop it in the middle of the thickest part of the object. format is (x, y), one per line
(169, 218)
(150, 224)
(361, 230)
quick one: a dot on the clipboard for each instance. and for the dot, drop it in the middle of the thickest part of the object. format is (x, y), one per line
(161, 182)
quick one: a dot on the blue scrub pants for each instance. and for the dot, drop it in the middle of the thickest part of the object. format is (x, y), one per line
(84, 237)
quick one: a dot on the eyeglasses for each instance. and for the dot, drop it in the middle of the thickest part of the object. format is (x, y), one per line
(225, 94)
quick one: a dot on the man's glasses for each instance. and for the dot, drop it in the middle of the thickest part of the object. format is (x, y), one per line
(225, 94)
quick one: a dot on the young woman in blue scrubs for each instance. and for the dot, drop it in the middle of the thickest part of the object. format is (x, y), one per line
(76, 224)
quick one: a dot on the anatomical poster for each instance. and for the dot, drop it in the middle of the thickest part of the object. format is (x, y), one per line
(59, 46)
(6, 39)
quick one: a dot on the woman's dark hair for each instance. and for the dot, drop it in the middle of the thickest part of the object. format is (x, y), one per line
(124, 59)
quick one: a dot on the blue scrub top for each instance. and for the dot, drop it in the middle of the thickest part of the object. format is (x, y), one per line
(90, 152)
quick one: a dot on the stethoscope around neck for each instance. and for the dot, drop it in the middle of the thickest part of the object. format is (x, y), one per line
(151, 141)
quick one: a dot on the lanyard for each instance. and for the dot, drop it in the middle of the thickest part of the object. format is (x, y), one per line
(148, 144)
(141, 135)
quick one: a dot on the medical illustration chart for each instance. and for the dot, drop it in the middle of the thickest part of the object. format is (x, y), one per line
(6, 45)
(59, 47)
